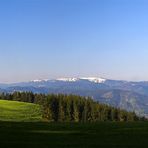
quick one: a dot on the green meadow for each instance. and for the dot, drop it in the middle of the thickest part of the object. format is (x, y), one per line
(73, 135)
(19, 111)
(21, 126)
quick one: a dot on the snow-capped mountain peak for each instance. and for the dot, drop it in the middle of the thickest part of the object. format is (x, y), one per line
(95, 79)
(68, 79)
(39, 80)
(91, 79)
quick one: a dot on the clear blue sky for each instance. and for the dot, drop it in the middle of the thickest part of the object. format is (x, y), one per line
(70, 38)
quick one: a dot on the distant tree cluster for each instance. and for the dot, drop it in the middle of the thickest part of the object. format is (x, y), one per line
(71, 108)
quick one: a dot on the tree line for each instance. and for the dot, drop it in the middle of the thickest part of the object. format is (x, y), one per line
(72, 108)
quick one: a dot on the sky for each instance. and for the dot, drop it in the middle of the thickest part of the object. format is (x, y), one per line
(44, 39)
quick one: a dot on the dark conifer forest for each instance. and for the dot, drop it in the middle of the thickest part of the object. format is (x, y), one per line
(71, 108)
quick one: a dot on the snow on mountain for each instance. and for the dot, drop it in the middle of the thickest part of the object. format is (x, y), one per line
(91, 79)
(40, 80)
(95, 79)
(68, 79)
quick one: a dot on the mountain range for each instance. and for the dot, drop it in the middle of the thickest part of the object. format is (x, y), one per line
(131, 96)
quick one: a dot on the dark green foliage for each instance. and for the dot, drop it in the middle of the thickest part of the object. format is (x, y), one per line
(71, 108)
(74, 135)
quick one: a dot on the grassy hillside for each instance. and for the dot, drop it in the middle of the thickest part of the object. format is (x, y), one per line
(19, 111)
(74, 135)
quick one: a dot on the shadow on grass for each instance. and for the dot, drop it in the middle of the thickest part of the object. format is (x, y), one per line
(73, 135)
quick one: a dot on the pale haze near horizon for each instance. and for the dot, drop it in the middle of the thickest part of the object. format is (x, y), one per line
(50, 39)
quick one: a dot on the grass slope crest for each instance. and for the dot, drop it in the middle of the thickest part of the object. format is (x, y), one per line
(19, 111)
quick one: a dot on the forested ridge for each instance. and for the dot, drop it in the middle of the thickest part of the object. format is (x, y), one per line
(71, 108)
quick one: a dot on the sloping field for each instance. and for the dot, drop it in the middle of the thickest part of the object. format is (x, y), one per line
(73, 135)
(19, 111)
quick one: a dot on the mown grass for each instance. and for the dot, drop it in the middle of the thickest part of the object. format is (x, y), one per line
(19, 111)
(15, 133)
(73, 135)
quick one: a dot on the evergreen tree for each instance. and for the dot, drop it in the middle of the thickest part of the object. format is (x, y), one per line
(71, 108)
